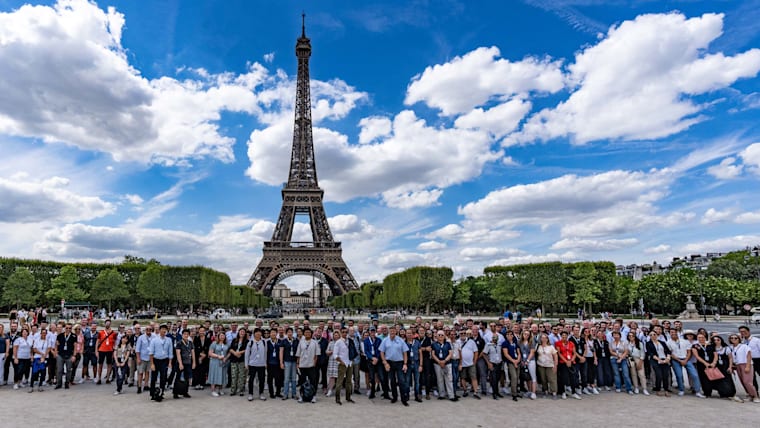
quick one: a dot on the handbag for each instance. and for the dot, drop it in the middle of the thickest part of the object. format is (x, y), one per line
(713, 373)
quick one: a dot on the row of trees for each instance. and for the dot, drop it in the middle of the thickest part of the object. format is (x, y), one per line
(134, 283)
(730, 281)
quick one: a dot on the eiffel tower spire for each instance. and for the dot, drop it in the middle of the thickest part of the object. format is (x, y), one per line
(322, 256)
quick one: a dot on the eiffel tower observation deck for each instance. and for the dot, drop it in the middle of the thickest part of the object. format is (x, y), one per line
(321, 257)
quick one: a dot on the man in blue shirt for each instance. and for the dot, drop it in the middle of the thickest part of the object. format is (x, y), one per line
(142, 352)
(441, 355)
(160, 351)
(413, 360)
(393, 352)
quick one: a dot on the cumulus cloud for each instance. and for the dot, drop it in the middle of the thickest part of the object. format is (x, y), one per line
(479, 76)
(648, 69)
(748, 217)
(716, 216)
(499, 120)
(431, 246)
(26, 200)
(373, 128)
(730, 243)
(468, 235)
(751, 158)
(487, 253)
(659, 249)
(594, 244)
(726, 169)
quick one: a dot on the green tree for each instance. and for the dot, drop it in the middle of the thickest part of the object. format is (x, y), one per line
(20, 288)
(109, 287)
(66, 286)
(502, 289)
(151, 286)
(587, 289)
(462, 293)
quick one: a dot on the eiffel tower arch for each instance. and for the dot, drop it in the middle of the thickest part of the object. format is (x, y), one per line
(301, 195)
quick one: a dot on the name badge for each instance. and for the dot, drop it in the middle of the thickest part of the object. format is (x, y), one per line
(65, 347)
(440, 355)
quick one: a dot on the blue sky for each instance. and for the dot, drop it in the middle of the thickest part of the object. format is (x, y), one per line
(460, 134)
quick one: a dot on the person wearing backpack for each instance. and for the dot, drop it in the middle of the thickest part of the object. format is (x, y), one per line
(307, 352)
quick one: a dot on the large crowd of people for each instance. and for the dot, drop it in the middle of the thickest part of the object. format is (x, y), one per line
(397, 362)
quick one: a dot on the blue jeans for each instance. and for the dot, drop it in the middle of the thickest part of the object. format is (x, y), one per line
(413, 375)
(617, 367)
(290, 379)
(455, 374)
(603, 372)
(690, 370)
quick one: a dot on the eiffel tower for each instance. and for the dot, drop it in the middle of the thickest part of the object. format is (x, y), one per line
(322, 257)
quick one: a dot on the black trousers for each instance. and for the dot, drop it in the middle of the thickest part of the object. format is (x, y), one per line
(308, 373)
(323, 374)
(661, 376)
(567, 377)
(398, 381)
(275, 378)
(379, 371)
(7, 365)
(200, 373)
(756, 364)
(258, 372)
(162, 366)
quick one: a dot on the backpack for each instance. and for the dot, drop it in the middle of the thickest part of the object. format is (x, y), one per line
(307, 391)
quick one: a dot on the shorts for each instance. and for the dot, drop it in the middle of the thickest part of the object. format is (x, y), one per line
(105, 356)
(89, 359)
(143, 366)
(469, 373)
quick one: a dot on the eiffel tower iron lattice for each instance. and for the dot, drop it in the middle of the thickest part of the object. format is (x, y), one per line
(322, 257)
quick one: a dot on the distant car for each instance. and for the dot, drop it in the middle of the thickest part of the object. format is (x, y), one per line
(271, 315)
(756, 318)
(220, 314)
(144, 315)
(391, 315)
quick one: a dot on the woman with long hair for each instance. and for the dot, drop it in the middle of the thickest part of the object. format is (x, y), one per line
(236, 360)
(588, 367)
(546, 365)
(528, 360)
(636, 356)
(332, 364)
(742, 361)
(217, 372)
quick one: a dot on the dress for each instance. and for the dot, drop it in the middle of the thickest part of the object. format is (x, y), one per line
(332, 365)
(217, 372)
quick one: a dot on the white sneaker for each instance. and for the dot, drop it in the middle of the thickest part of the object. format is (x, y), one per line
(329, 393)
(756, 400)
(646, 392)
(680, 393)
(595, 391)
(369, 393)
(314, 399)
(737, 399)
(636, 391)
(564, 396)
(585, 391)
(250, 397)
(435, 392)
(214, 394)
(607, 388)
(263, 397)
(630, 392)
(116, 393)
(15, 386)
(81, 381)
(576, 396)
(700, 395)
(617, 390)
(532, 395)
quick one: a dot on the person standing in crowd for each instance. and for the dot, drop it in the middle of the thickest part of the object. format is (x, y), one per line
(481, 363)
(426, 362)
(604, 376)
(90, 357)
(8, 339)
(680, 353)
(4, 347)
(528, 360)
(160, 351)
(289, 345)
(659, 356)
(185, 357)
(742, 362)
(636, 357)
(511, 353)
(217, 372)
(619, 361)
(274, 372)
(588, 367)
(78, 352)
(22, 356)
(323, 359)
(142, 353)
(307, 352)
(237, 362)
(547, 363)
(332, 365)
(393, 352)
(567, 359)
(467, 363)
(343, 359)
(494, 360)
(754, 346)
(201, 344)
(65, 346)
(256, 360)
(413, 361)
(442, 356)
(371, 345)
(104, 351)
(121, 357)
(41, 352)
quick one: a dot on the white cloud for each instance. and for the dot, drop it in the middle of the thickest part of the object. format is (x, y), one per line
(487, 253)
(431, 246)
(373, 128)
(510, 161)
(645, 69)
(408, 168)
(535, 258)
(751, 158)
(716, 216)
(468, 235)
(726, 169)
(25, 200)
(133, 199)
(269, 57)
(748, 218)
(730, 243)
(401, 259)
(594, 244)
(499, 120)
(477, 77)
(659, 249)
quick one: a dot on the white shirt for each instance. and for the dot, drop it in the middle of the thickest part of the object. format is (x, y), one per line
(340, 351)
(41, 346)
(740, 353)
(468, 353)
(754, 346)
(679, 349)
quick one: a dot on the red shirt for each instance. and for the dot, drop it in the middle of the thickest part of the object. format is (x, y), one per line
(107, 340)
(567, 350)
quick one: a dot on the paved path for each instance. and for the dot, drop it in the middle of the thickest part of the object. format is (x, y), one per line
(204, 411)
